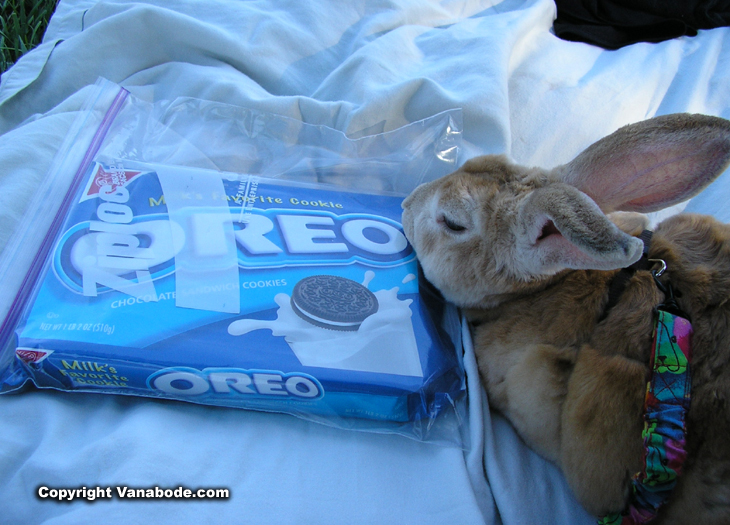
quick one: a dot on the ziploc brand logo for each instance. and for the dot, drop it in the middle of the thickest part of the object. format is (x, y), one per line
(184, 381)
(122, 257)
(127, 253)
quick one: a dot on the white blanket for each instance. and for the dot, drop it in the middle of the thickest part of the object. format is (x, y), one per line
(362, 68)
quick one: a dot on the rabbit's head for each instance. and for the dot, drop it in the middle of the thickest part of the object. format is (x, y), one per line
(493, 228)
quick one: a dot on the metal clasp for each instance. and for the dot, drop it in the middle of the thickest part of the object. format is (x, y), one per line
(660, 271)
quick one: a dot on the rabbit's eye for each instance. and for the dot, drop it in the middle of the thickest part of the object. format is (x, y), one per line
(451, 225)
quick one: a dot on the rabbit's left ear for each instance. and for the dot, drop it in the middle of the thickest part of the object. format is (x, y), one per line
(560, 227)
(652, 164)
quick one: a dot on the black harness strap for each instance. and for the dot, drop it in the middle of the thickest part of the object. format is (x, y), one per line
(621, 279)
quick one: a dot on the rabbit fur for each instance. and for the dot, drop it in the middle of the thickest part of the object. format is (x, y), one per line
(529, 253)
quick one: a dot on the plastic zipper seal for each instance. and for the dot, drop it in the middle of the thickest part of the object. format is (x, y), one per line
(107, 95)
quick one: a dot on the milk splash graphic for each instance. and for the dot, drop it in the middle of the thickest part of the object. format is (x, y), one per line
(384, 342)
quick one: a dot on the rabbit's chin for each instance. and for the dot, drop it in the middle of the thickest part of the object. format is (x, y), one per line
(463, 295)
(486, 293)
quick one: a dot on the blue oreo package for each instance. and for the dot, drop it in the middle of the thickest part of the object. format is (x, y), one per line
(233, 290)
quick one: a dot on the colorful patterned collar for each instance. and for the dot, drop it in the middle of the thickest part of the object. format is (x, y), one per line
(666, 404)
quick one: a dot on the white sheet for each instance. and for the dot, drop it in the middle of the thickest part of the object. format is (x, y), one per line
(360, 67)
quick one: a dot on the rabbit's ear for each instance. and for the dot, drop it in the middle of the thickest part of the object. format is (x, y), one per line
(652, 164)
(559, 227)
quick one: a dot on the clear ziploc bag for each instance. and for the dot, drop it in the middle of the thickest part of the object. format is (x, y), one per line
(214, 254)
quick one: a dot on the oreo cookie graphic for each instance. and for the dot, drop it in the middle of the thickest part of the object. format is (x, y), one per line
(333, 302)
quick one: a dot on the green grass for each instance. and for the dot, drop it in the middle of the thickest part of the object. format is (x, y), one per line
(22, 25)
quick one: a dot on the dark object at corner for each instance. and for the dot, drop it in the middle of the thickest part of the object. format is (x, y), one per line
(613, 24)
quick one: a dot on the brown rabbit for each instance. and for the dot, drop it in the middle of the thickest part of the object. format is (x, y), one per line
(530, 255)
